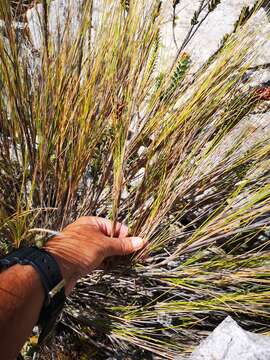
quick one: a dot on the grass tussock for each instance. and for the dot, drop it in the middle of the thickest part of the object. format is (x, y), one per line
(88, 125)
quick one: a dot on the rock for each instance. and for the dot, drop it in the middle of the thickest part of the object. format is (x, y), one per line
(229, 342)
(259, 76)
(208, 38)
(61, 16)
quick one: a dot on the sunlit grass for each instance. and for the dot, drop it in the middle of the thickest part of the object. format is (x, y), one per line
(88, 125)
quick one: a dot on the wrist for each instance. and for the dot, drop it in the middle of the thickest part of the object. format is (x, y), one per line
(67, 270)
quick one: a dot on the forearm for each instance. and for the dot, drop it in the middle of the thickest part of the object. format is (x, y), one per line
(79, 249)
(21, 299)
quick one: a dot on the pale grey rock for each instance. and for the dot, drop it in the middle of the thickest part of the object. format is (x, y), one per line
(260, 25)
(34, 25)
(230, 342)
(64, 15)
(260, 76)
(207, 40)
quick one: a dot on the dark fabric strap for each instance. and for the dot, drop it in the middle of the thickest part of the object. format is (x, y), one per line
(50, 275)
(49, 315)
(42, 261)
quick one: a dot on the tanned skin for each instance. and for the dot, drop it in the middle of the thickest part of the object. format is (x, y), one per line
(79, 249)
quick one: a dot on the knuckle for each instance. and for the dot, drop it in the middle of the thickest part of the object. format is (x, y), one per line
(124, 246)
(82, 219)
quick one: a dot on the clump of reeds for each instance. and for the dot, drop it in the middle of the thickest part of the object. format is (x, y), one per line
(89, 126)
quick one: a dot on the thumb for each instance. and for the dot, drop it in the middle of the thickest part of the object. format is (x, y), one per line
(126, 246)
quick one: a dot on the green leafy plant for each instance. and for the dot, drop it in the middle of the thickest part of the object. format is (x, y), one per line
(87, 128)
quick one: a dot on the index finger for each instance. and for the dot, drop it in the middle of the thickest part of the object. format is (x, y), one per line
(106, 226)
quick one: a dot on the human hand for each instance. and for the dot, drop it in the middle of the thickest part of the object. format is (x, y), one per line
(83, 245)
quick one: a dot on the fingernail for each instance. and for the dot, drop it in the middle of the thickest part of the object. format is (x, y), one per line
(137, 242)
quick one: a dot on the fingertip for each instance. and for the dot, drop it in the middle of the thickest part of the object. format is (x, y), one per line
(137, 243)
(126, 245)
